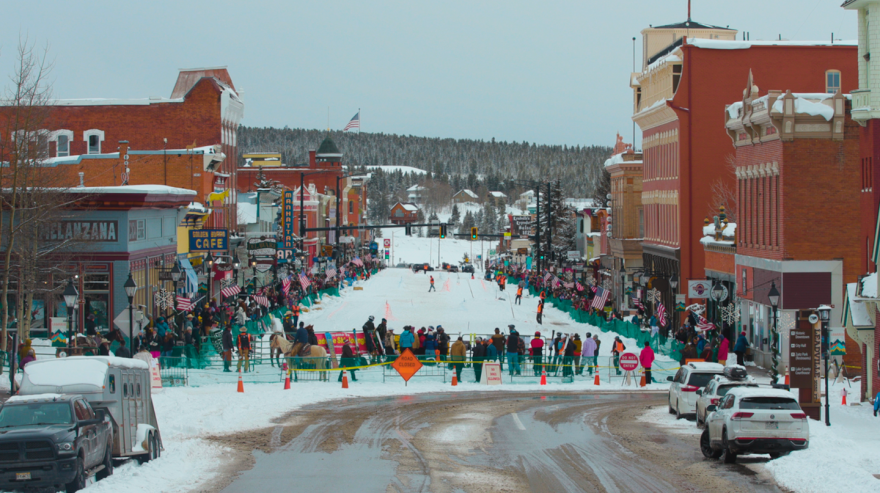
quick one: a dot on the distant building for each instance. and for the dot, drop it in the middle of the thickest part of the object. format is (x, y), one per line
(404, 213)
(256, 159)
(414, 194)
(628, 226)
(465, 196)
(497, 198)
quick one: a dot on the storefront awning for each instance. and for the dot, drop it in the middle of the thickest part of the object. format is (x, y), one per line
(192, 280)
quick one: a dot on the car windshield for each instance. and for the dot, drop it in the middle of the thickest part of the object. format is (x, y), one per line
(700, 379)
(724, 389)
(768, 403)
(41, 413)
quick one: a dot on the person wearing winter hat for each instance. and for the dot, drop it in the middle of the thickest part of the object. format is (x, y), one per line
(588, 353)
(740, 348)
(478, 355)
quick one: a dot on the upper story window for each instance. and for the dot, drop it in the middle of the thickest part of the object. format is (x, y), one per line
(93, 140)
(832, 81)
(62, 140)
(350, 206)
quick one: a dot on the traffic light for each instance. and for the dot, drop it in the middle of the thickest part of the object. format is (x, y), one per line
(407, 229)
(442, 231)
(473, 233)
(541, 256)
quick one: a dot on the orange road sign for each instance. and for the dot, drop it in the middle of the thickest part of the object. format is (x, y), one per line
(407, 364)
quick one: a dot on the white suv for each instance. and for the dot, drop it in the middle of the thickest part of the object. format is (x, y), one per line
(685, 383)
(754, 421)
(715, 391)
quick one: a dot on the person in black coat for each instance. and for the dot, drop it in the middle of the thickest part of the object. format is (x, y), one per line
(512, 351)
(347, 361)
(228, 345)
(123, 352)
(368, 329)
(478, 354)
(568, 358)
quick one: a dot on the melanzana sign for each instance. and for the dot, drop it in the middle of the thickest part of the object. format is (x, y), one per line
(82, 231)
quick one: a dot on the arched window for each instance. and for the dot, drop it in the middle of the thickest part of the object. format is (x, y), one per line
(93, 140)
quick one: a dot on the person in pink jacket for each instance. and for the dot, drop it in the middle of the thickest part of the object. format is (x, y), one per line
(723, 347)
(646, 358)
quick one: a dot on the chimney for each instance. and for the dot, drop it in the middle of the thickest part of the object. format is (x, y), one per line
(312, 163)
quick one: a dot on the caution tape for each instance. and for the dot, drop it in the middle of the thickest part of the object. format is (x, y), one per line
(432, 363)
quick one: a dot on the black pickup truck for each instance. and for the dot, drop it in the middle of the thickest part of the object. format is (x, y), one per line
(52, 442)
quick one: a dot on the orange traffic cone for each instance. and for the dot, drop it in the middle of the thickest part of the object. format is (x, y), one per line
(642, 383)
(472, 275)
(787, 381)
(454, 380)
(543, 377)
(240, 383)
(286, 377)
(437, 354)
(596, 380)
(844, 397)
(344, 379)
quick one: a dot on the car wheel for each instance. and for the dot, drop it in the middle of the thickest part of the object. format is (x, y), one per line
(154, 453)
(158, 448)
(706, 448)
(697, 418)
(678, 414)
(776, 455)
(79, 481)
(671, 411)
(727, 456)
(108, 463)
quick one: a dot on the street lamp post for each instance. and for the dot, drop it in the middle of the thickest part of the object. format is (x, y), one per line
(236, 264)
(130, 290)
(70, 295)
(773, 295)
(717, 294)
(673, 283)
(209, 262)
(253, 263)
(825, 316)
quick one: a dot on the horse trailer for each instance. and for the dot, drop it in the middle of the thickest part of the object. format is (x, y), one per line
(120, 386)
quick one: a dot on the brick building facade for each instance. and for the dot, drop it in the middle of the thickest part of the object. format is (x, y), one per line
(791, 149)
(627, 225)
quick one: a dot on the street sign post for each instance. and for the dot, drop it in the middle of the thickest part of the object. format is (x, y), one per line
(629, 363)
(407, 365)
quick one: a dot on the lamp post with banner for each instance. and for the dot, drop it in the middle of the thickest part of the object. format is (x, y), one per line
(825, 317)
(209, 263)
(70, 296)
(130, 290)
(773, 295)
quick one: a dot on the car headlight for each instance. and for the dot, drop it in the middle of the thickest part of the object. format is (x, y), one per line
(65, 447)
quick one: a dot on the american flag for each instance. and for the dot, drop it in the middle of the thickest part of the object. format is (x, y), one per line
(548, 276)
(304, 281)
(357, 261)
(184, 303)
(354, 123)
(285, 286)
(638, 302)
(125, 176)
(703, 324)
(578, 285)
(330, 272)
(601, 297)
(230, 291)
(262, 300)
(661, 314)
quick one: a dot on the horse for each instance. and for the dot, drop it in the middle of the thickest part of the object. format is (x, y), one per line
(279, 343)
(81, 346)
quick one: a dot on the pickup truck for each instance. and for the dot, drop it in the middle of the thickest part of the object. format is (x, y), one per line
(53, 441)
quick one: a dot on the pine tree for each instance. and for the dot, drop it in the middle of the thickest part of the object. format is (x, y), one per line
(456, 216)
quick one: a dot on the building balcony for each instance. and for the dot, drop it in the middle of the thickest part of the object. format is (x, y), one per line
(861, 106)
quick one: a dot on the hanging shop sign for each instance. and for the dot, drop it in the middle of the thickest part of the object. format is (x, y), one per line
(204, 240)
(259, 247)
(699, 289)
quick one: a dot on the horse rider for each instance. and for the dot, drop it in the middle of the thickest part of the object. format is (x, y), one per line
(288, 324)
(300, 340)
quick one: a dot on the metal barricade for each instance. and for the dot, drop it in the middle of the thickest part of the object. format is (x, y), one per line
(173, 371)
(309, 369)
(431, 368)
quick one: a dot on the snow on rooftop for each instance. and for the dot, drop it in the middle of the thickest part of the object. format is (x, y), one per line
(498, 195)
(709, 235)
(148, 189)
(24, 398)
(402, 169)
(858, 309)
(869, 286)
(409, 207)
(468, 193)
(721, 44)
(618, 159)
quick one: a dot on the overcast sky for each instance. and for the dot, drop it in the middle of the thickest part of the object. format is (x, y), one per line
(552, 72)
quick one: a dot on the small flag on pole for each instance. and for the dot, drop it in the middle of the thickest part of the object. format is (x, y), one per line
(354, 123)
(304, 281)
(601, 297)
(285, 286)
(661, 314)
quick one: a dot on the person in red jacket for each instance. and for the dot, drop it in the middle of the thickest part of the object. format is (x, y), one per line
(537, 352)
(646, 359)
(723, 348)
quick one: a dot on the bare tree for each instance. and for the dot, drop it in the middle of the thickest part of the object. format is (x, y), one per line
(723, 190)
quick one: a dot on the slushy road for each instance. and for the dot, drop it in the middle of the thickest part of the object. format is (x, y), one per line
(473, 442)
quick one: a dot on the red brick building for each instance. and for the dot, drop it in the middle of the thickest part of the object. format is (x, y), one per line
(790, 150)
(204, 110)
(682, 90)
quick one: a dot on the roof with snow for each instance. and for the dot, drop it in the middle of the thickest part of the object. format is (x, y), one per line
(728, 234)
(467, 192)
(813, 104)
(721, 44)
(407, 206)
(856, 308)
(497, 195)
(416, 188)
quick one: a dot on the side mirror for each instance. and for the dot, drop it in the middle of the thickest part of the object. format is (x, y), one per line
(699, 392)
(711, 408)
(101, 414)
(670, 379)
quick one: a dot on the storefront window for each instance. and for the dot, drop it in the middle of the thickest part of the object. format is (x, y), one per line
(96, 304)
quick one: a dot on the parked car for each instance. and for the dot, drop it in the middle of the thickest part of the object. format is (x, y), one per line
(469, 268)
(754, 421)
(690, 378)
(424, 266)
(717, 388)
(53, 441)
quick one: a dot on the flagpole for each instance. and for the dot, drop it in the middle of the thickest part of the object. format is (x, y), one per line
(360, 119)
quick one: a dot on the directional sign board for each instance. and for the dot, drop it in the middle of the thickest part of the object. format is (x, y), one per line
(407, 364)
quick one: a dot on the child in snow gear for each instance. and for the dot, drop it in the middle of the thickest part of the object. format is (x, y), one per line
(432, 288)
(537, 353)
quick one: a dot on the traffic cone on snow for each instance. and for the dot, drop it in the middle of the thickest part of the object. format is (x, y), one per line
(286, 377)
(642, 382)
(543, 377)
(787, 381)
(844, 397)
(596, 380)
(472, 275)
(240, 383)
(344, 379)
(454, 380)
(437, 354)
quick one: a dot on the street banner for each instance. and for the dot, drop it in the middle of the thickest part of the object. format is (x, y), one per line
(339, 339)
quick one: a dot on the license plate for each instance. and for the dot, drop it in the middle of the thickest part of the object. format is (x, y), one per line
(772, 425)
(22, 476)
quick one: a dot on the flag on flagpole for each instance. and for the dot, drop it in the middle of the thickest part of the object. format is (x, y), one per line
(354, 123)
(184, 303)
(661, 314)
(285, 286)
(601, 297)
(578, 285)
(703, 324)
(262, 300)
(230, 291)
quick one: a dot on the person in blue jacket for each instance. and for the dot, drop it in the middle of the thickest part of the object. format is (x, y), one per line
(430, 342)
(742, 344)
(491, 352)
(406, 339)
(877, 404)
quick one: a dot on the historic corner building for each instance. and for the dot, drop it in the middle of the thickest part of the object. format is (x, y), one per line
(180, 141)
(690, 72)
(317, 183)
(627, 221)
(783, 141)
(110, 231)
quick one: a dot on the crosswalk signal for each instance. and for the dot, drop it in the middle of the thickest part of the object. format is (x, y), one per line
(473, 233)
(442, 231)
